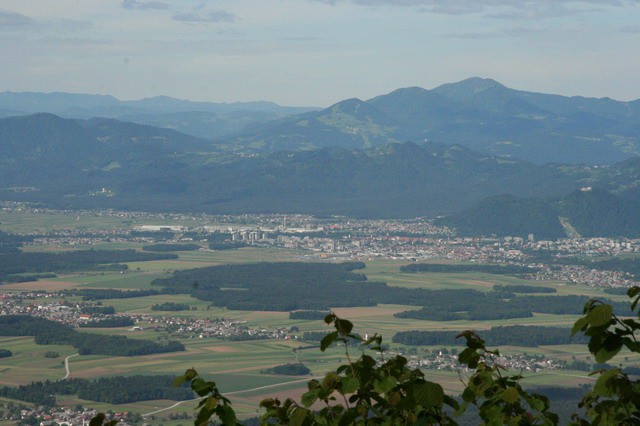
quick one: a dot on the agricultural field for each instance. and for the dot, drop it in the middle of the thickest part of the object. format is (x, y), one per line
(236, 365)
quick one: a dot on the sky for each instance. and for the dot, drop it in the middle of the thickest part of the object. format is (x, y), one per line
(316, 52)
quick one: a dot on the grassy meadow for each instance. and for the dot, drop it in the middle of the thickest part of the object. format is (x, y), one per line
(236, 366)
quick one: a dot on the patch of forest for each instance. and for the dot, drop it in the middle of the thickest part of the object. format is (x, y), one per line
(456, 268)
(513, 335)
(285, 286)
(170, 306)
(164, 247)
(291, 369)
(488, 307)
(100, 293)
(308, 315)
(10, 243)
(79, 260)
(524, 289)
(320, 286)
(48, 332)
(112, 390)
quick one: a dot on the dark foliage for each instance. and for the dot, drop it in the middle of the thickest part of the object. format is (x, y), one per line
(18, 263)
(112, 390)
(487, 307)
(593, 213)
(99, 294)
(170, 247)
(516, 335)
(170, 306)
(308, 315)
(52, 333)
(292, 369)
(524, 289)
(454, 268)
(4, 353)
(10, 243)
(275, 286)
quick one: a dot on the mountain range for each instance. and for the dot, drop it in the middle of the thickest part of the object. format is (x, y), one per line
(208, 120)
(480, 114)
(354, 159)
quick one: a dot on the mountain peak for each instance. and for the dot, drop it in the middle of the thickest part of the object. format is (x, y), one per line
(469, 86)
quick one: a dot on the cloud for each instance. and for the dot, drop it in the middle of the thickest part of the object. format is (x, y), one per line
(507, 9)
(15, 20)
(205, 16)
(144, 5)
(631, 29)
(509, 32)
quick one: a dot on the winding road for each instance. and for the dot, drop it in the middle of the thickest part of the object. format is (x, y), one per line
(66, 366)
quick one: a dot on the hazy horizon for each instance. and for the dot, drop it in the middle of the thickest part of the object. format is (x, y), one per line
(316, 52)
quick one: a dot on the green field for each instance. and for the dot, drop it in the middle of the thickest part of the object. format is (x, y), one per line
(236, 366)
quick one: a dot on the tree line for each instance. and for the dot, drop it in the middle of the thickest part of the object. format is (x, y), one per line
(112, 390)
(108, 293)
(292, 286)
(308, 315)
(513, 335)
(48, 332)
(164, 247)
(170, 306)
(29, 262)
(524, 288)
(459, 267)
(449, 306)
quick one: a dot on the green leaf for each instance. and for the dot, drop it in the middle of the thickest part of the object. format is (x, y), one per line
(330, 381)
(178, 381)
(349, 418)
(510, 395)
(429, 394)
(468, 395)
(227, 415)
(97, 420)
(451, 402)
(203, 416)
(470, 357)
(599, 315)
(269, 403)
(579, 325)
(298, 416)
(328, 340)
(602, 387)
(633, 291)
(309, 398)
(349, 384)
(344, 327)
(385, 384)
(610, 347)
(330, 318)
(211, 403)
(201, 387)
